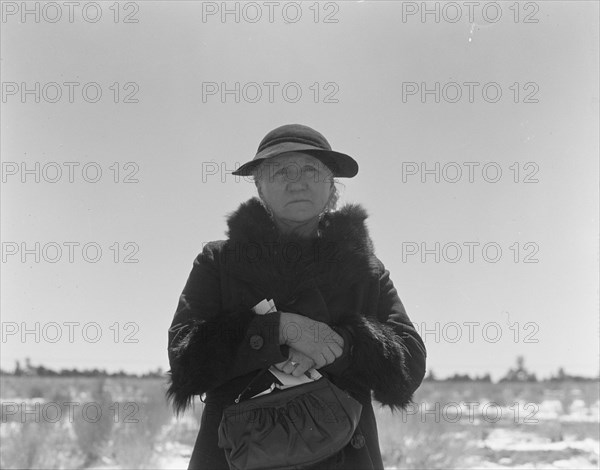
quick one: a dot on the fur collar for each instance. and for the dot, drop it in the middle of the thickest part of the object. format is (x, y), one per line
(251, 223)
(283, 265)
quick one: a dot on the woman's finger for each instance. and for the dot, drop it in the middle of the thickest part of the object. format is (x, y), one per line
(320, 361)
(329, 356)
(336, 349)
(295, 359)
(335, 338)
(301, 369)
(290, 366)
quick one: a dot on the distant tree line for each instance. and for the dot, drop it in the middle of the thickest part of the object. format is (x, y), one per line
(40, 371)
(517, 374)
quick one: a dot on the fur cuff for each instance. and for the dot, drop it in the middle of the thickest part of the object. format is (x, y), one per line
(380, 362)
(201, 354)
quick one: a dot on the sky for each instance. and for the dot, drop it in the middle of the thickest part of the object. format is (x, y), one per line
(476, 133)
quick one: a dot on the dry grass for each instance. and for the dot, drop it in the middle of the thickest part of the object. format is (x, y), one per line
(136, 426)
(103, 422)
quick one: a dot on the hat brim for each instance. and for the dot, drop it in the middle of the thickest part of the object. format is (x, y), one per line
(340, 164)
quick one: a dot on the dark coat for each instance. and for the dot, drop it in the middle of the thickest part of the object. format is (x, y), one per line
(335, 278)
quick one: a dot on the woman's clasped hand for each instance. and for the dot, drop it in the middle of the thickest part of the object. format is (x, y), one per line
(313, 344)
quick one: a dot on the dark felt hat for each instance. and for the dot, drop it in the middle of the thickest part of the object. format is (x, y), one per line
(299, 138)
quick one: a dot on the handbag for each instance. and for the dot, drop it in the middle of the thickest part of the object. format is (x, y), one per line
(288, 429)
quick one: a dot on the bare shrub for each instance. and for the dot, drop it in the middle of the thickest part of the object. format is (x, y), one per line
(93, 423)
(141, 426)
(40, 445)
(409, 443)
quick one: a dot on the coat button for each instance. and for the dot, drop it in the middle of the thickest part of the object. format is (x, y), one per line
(256, 342)
(358, 441)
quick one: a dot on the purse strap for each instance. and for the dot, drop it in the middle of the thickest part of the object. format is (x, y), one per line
(252, 382)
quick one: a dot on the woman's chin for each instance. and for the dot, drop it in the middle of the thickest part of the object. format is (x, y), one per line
(301, 216)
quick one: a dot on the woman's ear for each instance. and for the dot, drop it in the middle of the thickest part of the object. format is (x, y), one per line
(259, 189)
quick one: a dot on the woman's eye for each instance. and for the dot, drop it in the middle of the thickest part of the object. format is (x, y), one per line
(294, 172)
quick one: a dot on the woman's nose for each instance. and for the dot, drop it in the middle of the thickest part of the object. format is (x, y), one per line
(295, 176)
(299, 185)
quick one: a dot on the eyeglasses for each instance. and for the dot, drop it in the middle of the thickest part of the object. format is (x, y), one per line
(293, 172)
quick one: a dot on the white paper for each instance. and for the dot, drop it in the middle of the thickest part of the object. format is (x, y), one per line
(289, 380)
(263, 307)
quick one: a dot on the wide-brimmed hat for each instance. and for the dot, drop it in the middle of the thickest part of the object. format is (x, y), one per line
(299, 138)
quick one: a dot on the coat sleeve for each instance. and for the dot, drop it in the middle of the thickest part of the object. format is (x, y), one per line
(208, 345)
(386, 353)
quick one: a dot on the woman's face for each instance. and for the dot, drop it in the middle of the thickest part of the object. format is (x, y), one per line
(295, 186)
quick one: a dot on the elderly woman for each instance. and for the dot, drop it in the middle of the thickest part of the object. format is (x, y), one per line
(319, 267)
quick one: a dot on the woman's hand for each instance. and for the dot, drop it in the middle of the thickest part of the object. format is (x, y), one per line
(297, 363)
(314, 339)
